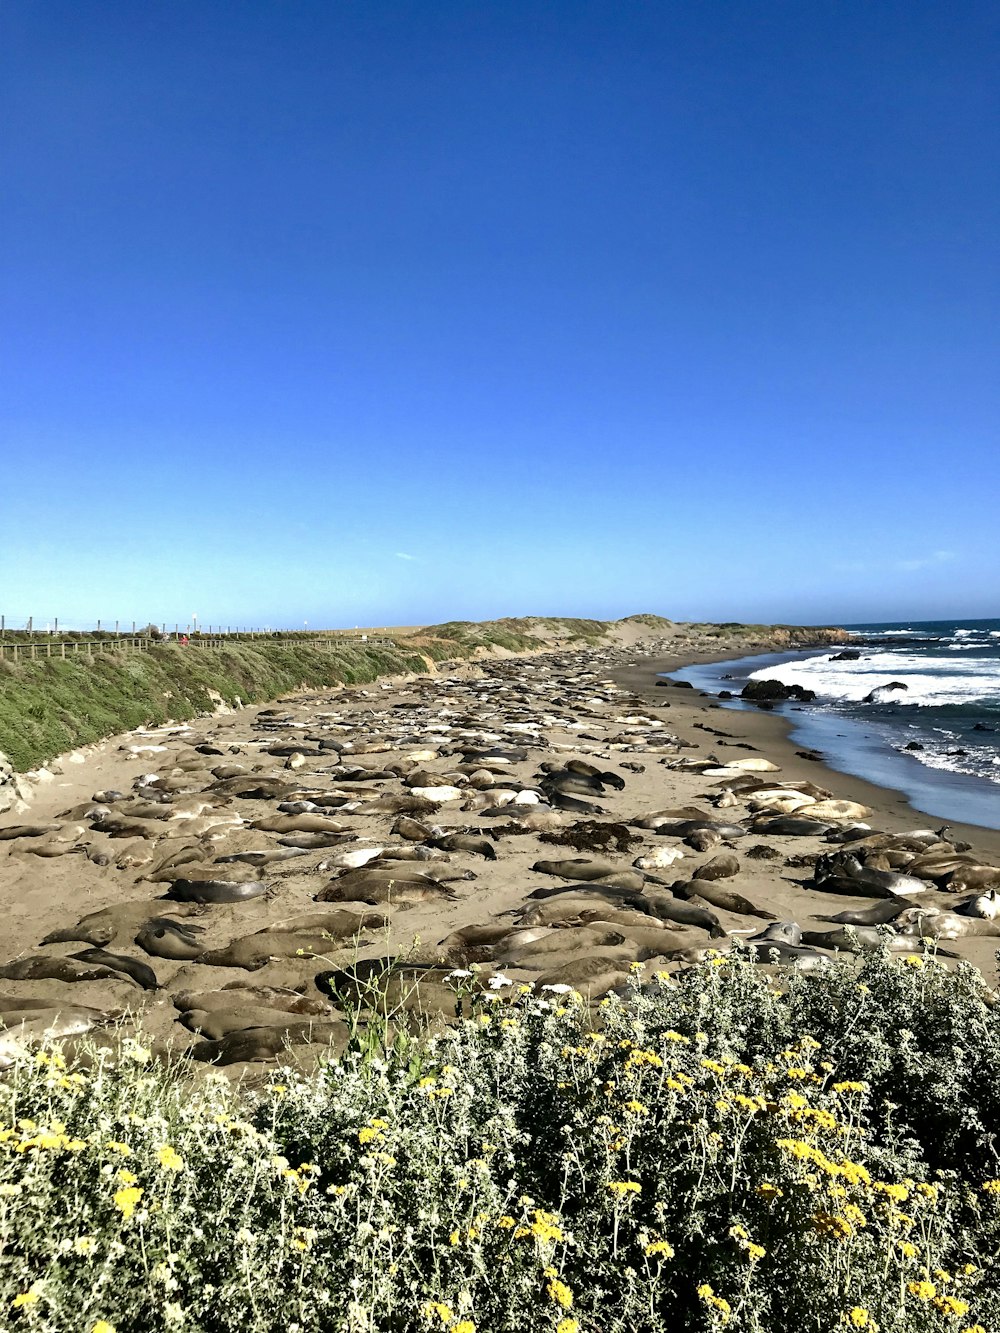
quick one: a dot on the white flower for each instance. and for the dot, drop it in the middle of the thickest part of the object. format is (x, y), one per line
(559, 988)
(458, 972)
(499, 980)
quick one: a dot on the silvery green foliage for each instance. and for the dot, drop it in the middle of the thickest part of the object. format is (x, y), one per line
(723, 1149)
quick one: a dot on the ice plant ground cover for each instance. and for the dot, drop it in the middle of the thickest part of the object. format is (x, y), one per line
(718, 1150)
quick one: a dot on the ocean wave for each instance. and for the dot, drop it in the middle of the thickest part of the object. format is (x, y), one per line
(930, 682)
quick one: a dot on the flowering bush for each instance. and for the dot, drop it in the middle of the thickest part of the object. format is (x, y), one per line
(713, 1151)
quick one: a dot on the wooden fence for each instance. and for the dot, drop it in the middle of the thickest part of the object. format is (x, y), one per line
(15, 651)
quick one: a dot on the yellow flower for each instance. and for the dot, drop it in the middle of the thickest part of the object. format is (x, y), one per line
(658, 1247)
(438, 1309)
(621, 1188)
(859, 1318)
(898, 1193)
(170, 1159)
(718, 1303)
(102, 1326)
(849, 1086)
(952, 1305)
(769, 1191)
(560, 1293)
(25, 1300)
(126, 1200)
(303, 1237)
(84, 1245)
(463, 1326)
(924, 1291)
(127, 1178)
(992, 1186)
(756, 1251)
(913, 961)
(572, 1326)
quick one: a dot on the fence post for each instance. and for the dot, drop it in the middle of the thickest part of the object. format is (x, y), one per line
(63, 647)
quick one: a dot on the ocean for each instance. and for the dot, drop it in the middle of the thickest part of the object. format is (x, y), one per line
(937, 740)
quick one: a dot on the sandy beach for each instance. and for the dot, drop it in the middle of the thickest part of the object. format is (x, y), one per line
(365, 759)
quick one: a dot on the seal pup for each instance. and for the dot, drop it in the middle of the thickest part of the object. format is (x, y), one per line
(162, 937)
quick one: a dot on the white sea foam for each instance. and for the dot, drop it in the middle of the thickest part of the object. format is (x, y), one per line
(929, 681)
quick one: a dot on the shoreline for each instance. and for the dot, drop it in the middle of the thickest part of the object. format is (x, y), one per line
(771, 734)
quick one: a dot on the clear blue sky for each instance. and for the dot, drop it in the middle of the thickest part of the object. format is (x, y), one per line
(363, 311)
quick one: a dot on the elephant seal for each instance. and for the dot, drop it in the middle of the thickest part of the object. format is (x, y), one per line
(105, 925)
(724, 899)
(670, 908)
(13, 831)
(583, 868)
(141, 973)
(588, 975)
(256, 951)
(842, 872)
(723, 866)
(215, 891)
(163, 937)
(262, 858)
(237, 992)
(779, 932)
(215, 1024)
(864, 939)
(879, 914)
(985, 905)
(933, 923)
(312, 842)
(467, 842)
(47, 967)
(341, 925)
(300, 824)
(401, 890)
(256, 1044)
(791, 826)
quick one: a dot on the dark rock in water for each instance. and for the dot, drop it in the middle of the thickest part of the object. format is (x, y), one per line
(725, 694)
(981, 726)
(728, 676)
(957, 754)
(682, 685)
(913, 745)
(815, 755)
(874, 696)
(848, 655)
(775, 691)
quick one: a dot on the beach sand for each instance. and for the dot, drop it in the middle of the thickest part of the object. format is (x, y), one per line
(562, 705)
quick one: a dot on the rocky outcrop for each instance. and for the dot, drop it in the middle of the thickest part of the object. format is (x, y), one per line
(775, 691)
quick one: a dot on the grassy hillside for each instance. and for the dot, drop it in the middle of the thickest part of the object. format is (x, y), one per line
(52, 705)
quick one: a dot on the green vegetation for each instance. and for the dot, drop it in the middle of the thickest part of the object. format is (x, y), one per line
(711, 1152)
(51, 705)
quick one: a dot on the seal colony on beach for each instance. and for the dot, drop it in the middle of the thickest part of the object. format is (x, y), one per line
(277, 872)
